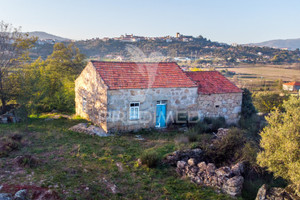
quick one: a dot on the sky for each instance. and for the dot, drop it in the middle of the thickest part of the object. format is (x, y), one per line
(229, 21)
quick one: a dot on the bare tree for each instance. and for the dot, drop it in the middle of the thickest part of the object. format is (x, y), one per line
(13, 51)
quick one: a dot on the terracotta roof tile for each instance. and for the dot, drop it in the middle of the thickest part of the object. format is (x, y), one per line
(295, 83)
(130, 75)
(212, 82)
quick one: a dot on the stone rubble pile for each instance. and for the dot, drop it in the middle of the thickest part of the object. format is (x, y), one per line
(184, 155)
(274, 193)
(227, 179)
(222, 132)
(89, 129)
(9, 117)
(36, 194)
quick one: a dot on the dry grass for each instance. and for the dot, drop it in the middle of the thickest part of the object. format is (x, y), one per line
(268, 72)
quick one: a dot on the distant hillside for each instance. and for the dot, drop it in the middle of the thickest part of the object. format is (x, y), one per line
(290, 44)
(44, 36)
(182, 48)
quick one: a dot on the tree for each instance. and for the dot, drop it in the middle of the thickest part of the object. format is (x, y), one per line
(280, 142)
(62, 68)
(31, 86)
(267, 101)
(249, 120)
(47, 85)
(13, 52)
(248, 108)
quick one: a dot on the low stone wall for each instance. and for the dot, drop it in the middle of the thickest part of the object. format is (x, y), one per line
(226, 179)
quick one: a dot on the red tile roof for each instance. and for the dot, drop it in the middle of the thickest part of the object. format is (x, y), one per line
(212, 82)
(295, 83)
(130, 75)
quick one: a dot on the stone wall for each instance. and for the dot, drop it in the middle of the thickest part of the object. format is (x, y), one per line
(178, 100)
(90, 86)
(288, 87)
(227, 179)
(109, 109)
(225, 105)
(266, 192)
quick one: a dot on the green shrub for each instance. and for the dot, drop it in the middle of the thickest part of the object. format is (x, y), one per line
(150, 158)
(267, 101)
(27, 161)
(248, 108)
(207, 120)
(181, 139)
(8, 145)
(225, 149)
(210, 124)
(217, 123)
(201, 127)
(192, 136)
(204, 140)
(249, 153)
(252, 125)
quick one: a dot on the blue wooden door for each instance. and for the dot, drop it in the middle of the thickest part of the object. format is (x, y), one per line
(161, 110)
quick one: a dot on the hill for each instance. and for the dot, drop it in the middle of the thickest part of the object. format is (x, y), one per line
(181, 48)
(44, 36)
(290, 44)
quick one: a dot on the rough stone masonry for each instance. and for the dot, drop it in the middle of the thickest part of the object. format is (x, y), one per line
(227, 179)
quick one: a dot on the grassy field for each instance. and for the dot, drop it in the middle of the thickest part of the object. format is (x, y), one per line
(268, 72)
(79, 166)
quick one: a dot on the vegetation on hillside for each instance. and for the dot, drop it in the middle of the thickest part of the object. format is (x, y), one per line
(50, 82)
(198, 47)
(14, 48)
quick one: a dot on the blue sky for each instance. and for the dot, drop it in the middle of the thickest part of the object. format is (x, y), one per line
(230, 21)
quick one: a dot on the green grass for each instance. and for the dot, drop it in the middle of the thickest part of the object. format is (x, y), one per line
(71, 162)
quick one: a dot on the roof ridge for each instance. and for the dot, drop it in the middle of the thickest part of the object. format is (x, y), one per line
(213, 82)
(131, 62)
(130, 75)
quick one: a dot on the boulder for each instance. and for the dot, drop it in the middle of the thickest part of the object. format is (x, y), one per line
(192, 162)
(181, 164)
(90, 130)
(202, 166)
(234, 186)
(211, 168)
(45, 195)
(224, 172)
(274, 193)
(262, 192)
(21, 195)
(235, 181)
(238, 169)
(184, 155)
(222, 132)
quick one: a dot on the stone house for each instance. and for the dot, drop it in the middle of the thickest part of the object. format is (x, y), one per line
(125, 96)
(291, 86)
